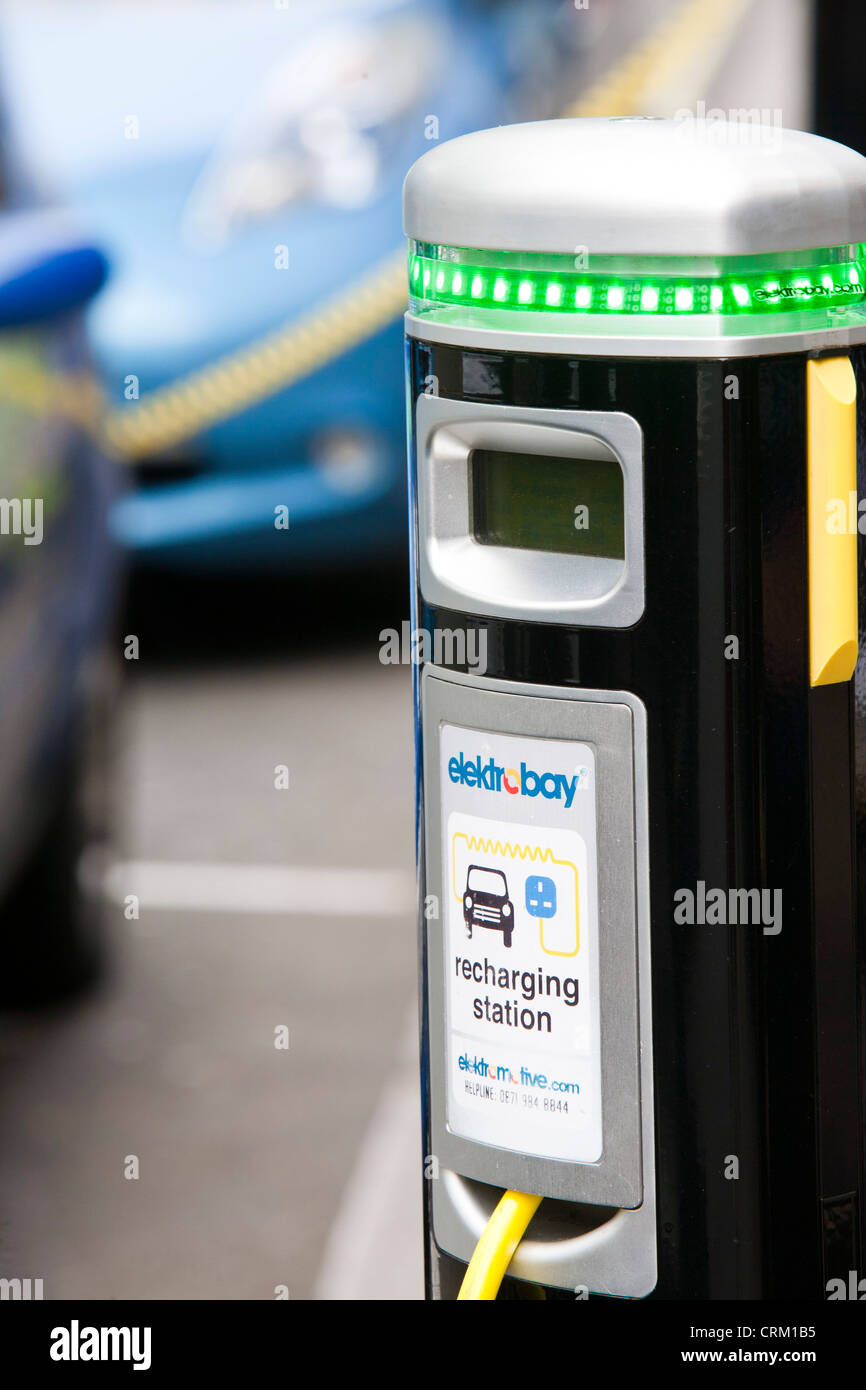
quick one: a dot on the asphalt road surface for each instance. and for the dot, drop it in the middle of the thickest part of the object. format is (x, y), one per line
(266, 914)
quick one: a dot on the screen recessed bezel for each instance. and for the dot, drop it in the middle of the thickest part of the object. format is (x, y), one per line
(459, 572)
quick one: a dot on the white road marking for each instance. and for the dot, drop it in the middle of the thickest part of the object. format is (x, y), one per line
(328, 891)
(375, 1247)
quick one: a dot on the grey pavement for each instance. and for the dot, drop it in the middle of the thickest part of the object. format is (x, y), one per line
(247, 1153)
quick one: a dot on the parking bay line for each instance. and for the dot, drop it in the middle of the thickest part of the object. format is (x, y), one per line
(375, 1248)
(326, 891)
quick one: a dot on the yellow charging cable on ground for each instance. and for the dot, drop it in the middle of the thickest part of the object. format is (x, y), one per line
(495, 1250)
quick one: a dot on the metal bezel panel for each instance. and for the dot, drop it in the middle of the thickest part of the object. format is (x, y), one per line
(618, 1256)
(608, 727)
(457, 572)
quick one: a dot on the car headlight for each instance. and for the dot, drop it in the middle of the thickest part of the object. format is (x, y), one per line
(467, 901)
(320, 127)
(506, 911)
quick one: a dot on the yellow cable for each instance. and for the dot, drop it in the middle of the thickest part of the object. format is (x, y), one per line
(243, 378)
(495, 1250)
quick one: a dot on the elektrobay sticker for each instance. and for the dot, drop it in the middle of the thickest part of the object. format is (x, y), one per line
(521, 947)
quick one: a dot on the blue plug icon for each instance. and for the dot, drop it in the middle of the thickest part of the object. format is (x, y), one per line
(540, 896)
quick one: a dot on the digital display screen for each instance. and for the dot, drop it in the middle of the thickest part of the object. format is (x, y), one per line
(572, 506)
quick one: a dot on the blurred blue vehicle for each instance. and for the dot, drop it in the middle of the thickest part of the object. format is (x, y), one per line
(59, 575)
(242, 164)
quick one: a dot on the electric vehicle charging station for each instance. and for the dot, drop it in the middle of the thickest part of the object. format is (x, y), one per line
(633, 354)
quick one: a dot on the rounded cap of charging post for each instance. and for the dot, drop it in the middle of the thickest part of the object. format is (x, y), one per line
(638, 186)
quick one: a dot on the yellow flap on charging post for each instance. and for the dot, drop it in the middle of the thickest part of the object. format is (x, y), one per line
(832, 498)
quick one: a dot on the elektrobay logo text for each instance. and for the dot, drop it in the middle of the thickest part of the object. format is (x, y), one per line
(491, 776)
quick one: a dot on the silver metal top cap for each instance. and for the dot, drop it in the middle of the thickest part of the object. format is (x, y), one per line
(669, 187)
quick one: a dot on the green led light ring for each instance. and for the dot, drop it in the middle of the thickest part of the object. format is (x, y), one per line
(450, 277)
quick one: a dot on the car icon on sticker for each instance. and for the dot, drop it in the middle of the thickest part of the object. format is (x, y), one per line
(486, 902)
(540, 896)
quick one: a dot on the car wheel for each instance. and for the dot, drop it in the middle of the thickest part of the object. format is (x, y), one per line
(52, 921)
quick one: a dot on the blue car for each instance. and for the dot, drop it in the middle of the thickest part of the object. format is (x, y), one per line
(59, 580)
(243, 166)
